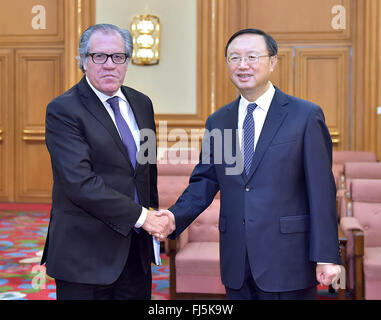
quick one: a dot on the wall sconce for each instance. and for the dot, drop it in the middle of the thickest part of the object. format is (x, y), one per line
(146, 39)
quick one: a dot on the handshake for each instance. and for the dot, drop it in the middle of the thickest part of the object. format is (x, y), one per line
(159, 224)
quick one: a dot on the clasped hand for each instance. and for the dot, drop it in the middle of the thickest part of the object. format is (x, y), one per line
(159, 224)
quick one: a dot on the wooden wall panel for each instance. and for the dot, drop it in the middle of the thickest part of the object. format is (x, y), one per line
(39, 73)
(21, 24)
(295, 20)
(323, 77)
(36, 65)
(369, 131)
(283, 75)
(6, 124)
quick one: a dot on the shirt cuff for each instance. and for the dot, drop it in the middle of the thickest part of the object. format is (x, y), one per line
(142, 218)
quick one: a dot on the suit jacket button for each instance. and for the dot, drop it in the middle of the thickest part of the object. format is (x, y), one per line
(243, 221)
(247, 188)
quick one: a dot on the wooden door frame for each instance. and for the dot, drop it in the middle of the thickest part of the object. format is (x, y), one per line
(367, 77)
(80, 15)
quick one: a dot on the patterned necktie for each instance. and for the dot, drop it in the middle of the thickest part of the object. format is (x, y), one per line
(124, 130)
(248, 137)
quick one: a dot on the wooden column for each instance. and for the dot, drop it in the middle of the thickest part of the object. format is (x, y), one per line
(81, 14)
(367, 77)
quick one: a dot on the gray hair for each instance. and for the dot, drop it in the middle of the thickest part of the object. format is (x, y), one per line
(84, 41)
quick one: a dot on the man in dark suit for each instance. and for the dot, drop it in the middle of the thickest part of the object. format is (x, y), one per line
(278, 228)
(99, 243)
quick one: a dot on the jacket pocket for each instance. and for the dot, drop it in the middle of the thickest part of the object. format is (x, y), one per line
(295, 224)
(283, 140)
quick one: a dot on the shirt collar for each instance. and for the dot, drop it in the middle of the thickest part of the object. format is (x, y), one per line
(263, 102)
(103, 97)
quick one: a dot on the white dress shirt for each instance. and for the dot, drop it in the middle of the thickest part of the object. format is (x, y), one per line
(129, 117)
(259, 113)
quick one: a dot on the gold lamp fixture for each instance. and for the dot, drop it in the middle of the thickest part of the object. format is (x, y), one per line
(145, 29)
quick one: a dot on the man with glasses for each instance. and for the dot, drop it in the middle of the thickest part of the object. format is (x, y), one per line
(99, 243)
(278, 228)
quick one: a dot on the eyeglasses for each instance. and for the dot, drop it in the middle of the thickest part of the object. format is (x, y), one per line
(251, 59)
(101, 58)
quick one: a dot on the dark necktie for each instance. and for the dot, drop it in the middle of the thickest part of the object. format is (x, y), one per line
(248, 137)
(125, 133)
(124, 130)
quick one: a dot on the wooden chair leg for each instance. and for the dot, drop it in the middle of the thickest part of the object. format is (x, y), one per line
(341, 292)
(172, 270)
(359, 265)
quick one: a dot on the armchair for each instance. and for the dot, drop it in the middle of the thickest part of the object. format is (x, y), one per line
(355, 170)
(362, 230)
(195, 258)
(194, 255)
(339, 158)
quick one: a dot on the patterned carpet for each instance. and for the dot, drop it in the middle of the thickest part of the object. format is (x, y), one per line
(22, 236)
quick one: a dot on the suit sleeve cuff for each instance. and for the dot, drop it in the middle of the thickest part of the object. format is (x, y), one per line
(142, 218)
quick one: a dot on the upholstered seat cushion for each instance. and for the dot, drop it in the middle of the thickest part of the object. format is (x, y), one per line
(372, 263)
(372, 273)
(199, 258)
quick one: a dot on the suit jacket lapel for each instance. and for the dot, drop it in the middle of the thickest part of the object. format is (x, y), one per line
(232, 125)
(232, 122)
(97, 109)
(138, 112)
(273, 121)
(140, 117)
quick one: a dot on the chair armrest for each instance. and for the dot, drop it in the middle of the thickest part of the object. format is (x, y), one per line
(172, 247)
(169, 246)
(183, 239)
(353, 229)
(358, 238)
(350, 224)
(177, 244)
(342, 237)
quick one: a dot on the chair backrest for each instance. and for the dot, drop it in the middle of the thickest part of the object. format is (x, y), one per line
(205, 227)
(361, 170)
(171, 182)
(366, 206)
(353, 156)
(174, 171)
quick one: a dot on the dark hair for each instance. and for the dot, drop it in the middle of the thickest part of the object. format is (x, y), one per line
(272, 46)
